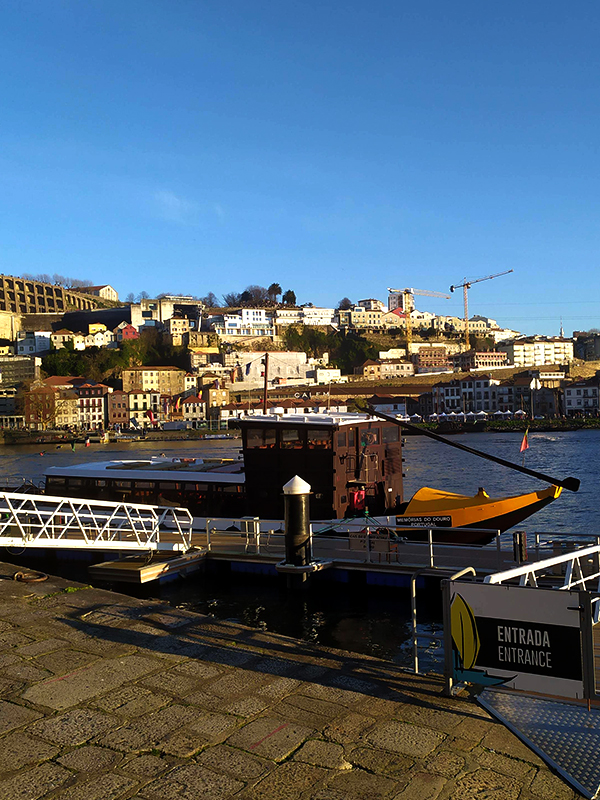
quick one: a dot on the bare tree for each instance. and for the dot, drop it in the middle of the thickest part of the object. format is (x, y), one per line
(232, 299)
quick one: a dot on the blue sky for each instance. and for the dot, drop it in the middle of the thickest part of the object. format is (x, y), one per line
(335, 147)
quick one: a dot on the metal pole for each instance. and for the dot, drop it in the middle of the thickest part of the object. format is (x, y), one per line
(266, 383)
(430, 537)
(296, 494)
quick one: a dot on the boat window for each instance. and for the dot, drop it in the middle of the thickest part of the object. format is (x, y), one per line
(196, 487)
(169, 485)
(100, 483)
(261, 438)
(291, 439)
(144, 485)
(55, 481)
(123, 484)
(351, 437)
(74, 481)
(341, 439)
(230, 488)
(391, 434)
(318, 439)
(368, 437)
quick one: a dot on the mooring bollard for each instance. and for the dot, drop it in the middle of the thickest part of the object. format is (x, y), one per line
(297, 522)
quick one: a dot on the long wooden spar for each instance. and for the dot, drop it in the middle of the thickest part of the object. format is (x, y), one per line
(571, 484)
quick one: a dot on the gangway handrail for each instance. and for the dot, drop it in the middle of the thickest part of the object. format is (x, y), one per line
(77, 523)
(527, 573)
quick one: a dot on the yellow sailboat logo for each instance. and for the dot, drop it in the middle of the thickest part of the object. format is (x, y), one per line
(464, 631)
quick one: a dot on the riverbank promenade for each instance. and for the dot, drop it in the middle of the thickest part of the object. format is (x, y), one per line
(105, 697)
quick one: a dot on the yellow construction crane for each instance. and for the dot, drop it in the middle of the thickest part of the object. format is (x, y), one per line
(465, 286)
(406, 307)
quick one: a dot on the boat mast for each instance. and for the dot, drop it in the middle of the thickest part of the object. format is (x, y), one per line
(266, 362)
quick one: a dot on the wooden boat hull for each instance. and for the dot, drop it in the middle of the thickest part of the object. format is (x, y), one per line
(434, 508)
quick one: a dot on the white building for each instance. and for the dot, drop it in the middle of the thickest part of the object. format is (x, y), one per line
(246, 322)
(371, 304)
(317, 316)
(538, 350)
(581, 398)
(284, 367)
(31, 342)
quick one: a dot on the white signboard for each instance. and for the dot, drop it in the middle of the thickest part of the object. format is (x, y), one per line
(517, 636)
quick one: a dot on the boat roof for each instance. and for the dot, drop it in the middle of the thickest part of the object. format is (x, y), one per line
(308, 420)
(192, 470)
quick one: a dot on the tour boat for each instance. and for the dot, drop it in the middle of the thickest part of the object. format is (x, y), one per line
(353, 463)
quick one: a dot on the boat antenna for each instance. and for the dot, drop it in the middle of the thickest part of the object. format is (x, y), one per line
(571, 484)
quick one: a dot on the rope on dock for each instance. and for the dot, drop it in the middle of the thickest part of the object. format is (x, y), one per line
(30, 577)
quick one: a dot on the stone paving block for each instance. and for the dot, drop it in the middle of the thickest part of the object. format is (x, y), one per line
(422, 786)
(45, 646)
(434, 718)
(230, 656)
(197, 669)
(131, 701)
(400, 737)
(354, 684)
(447, 763)
(246, 707)
(62, 661)
(191, 782)
(357, 784)
(25, 671)
(332, 694)
(550, 787)
(145, 767)
(288, 782)
(145, 732)
(14, 639)
(74, 727)
(349, 728)
(35, 783)
(279, 688)
(322, 754)
(473, 729)
(171, 683)
(14, 716)
(205, 700)
(308, 711)
(8, 659)
(236, 682)
(504, 764)
(235, 763)
(90, 681)
(483, 783)
(502, 740)
(270, 738)
(277, 666)
(90, 758)
(104, 787)
(19, 749)
(393, 764)
(181, 744)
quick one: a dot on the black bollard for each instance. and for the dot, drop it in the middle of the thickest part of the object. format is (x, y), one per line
(297, 525)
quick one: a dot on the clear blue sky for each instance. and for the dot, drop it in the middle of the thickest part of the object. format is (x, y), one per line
(337, 147)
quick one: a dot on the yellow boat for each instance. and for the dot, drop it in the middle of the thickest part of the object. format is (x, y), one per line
(436, 508)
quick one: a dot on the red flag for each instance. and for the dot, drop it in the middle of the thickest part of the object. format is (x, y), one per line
(525, 442)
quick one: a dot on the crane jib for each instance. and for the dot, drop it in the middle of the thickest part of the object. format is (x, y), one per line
(571, 484)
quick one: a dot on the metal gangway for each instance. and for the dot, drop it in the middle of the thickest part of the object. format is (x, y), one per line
(41, 521)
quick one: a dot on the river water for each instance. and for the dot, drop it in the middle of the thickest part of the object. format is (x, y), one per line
(372, 622)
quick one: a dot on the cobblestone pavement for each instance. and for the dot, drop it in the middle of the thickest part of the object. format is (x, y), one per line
(104, 697)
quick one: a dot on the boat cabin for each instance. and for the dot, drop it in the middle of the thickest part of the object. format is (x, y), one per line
(352, 462)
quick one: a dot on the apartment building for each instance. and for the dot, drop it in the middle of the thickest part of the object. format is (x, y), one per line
(464, 395)
(164, 380)
(93, 406)
(538, 350)
(473, 360)
(118, 408)
(581, 398)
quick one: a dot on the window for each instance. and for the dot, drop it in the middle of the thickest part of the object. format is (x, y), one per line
(291, 439)
(369, 437)
(341, 439)
(262, 438)
(391, 434)
(318, 439)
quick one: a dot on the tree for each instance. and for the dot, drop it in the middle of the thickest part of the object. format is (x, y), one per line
(289, 298)
(232, 299)
(142, 296)
(211, 300)
(344, 304)
(274, 291)
(130, 298)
